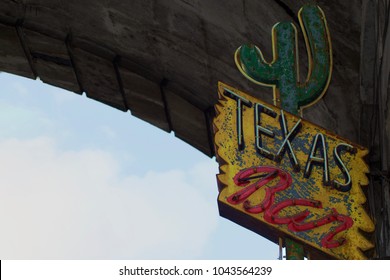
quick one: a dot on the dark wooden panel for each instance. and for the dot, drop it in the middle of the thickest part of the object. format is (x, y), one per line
(13, 59)
(98, 78)
(51, 60)
(188, 122)
(144, 99)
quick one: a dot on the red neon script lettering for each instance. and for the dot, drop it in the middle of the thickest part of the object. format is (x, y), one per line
(296, 223)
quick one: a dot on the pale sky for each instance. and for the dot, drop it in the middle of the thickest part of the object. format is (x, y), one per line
(81, 180)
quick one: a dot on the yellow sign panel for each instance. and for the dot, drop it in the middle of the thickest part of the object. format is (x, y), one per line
(282, 176)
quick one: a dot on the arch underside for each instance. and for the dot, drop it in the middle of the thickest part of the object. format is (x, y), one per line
(161, 60)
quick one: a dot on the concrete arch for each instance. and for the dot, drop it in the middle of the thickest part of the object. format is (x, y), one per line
(161, 60)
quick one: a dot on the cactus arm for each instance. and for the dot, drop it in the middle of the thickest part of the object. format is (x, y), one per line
(319, 49)
(283, 72)
(250, 61)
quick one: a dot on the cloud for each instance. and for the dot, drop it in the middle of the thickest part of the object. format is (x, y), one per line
(74, 204)
(22, 120)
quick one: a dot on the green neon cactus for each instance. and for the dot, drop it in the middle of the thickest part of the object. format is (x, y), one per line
(283, 72)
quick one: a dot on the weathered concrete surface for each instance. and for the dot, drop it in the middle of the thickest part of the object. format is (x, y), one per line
(375, 121)
(161, 59)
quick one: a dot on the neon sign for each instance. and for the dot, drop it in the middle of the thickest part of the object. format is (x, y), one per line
(318, 144)
(271, 209)
(281, 175)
